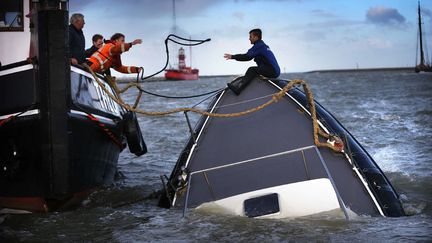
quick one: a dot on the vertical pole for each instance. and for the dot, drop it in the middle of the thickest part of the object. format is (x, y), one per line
(422, 61)
(190, 51)
(187, 195)
(174, 18)
(339, 198)
(54, 95)
(190, 127)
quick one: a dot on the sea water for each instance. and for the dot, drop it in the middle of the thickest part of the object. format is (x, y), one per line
(389, 113)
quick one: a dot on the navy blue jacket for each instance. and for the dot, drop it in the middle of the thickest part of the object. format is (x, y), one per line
(76, 44)
(262, 56)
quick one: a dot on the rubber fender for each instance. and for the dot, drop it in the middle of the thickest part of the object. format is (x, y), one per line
(133, 134)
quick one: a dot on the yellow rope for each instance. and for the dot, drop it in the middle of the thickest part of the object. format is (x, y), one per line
(275, 97)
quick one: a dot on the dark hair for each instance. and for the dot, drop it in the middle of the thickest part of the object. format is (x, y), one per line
(256, 32)
(116, 36)
(97, 37)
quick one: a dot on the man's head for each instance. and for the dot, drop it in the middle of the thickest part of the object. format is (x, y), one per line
(118, 38)
(97, 40)
(77, 20)
(255, 35)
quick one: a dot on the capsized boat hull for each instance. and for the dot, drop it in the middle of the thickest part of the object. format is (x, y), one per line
(247, 159)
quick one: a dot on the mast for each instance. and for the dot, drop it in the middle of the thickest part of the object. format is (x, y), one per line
(422, 60)
(174, 18)
(190, 52)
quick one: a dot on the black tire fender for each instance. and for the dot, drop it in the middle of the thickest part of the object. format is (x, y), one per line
(133, 134)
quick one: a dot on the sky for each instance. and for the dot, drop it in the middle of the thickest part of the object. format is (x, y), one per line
(304, 35)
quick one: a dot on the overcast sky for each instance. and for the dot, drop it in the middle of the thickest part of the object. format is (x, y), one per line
(304, 35)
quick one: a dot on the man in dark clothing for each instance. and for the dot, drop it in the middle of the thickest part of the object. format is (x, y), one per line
(76, 39)
(262, 55)
(97, 40)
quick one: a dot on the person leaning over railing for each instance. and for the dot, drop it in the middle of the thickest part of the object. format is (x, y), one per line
(109, 55)
(98, 42)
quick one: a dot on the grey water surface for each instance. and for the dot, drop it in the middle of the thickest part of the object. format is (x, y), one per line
(389, 113)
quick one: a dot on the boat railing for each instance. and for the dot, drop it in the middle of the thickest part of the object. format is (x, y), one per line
(262, 158)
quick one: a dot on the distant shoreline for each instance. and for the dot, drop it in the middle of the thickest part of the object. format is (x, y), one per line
(162, 79)
(231, 76)
(405, 69)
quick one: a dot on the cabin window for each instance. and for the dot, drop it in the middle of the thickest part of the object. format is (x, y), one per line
(11, 15)
(260, 206)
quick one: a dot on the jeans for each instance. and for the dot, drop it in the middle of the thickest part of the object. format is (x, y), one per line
(252, 72)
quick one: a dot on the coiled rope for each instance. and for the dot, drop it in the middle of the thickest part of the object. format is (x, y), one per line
(335, 146)
(190, 42)
(181, 41)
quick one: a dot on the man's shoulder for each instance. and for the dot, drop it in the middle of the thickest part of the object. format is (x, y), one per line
(75, 31)
(107, 47)
(91, 49)
(259, 42)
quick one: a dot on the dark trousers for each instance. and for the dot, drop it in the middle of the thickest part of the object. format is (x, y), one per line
(251, 73)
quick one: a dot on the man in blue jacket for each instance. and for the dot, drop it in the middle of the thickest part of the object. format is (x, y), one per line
(262, 55)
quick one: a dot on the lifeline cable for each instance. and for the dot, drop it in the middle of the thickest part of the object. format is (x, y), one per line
(138, 86)
(197, 42)
(168, 38)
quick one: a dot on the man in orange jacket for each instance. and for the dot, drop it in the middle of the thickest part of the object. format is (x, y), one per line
(108, 56)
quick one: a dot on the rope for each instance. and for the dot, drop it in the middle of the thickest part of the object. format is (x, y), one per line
(169, 38)
(336, 146)
(138, 86)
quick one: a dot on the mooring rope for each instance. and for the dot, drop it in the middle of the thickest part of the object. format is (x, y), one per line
(170, 37)
(138, 86)
(336, 146)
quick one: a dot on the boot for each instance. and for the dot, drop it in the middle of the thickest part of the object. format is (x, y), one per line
(236, 86)
(233, 88)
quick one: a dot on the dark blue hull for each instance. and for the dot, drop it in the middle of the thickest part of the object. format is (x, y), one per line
(95, 138)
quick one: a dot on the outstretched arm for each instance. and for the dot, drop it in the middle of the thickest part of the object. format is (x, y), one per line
(238, 57)
(119, 67)
(120, 48)
(137, 41)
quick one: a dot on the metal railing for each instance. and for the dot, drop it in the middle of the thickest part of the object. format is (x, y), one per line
(340, 201)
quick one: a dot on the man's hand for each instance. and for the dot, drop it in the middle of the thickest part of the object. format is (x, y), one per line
(137, 41)
(227, 56)
(74, 61)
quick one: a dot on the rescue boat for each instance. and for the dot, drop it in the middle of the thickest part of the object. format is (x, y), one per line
(60, 132)
(266, 164)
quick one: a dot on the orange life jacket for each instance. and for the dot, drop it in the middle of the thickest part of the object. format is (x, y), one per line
(109, 56)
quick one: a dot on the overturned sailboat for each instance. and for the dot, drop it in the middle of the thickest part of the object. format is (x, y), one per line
(267, 164)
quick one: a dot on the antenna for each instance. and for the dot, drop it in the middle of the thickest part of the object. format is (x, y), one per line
(190, 52)
(174, 19)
